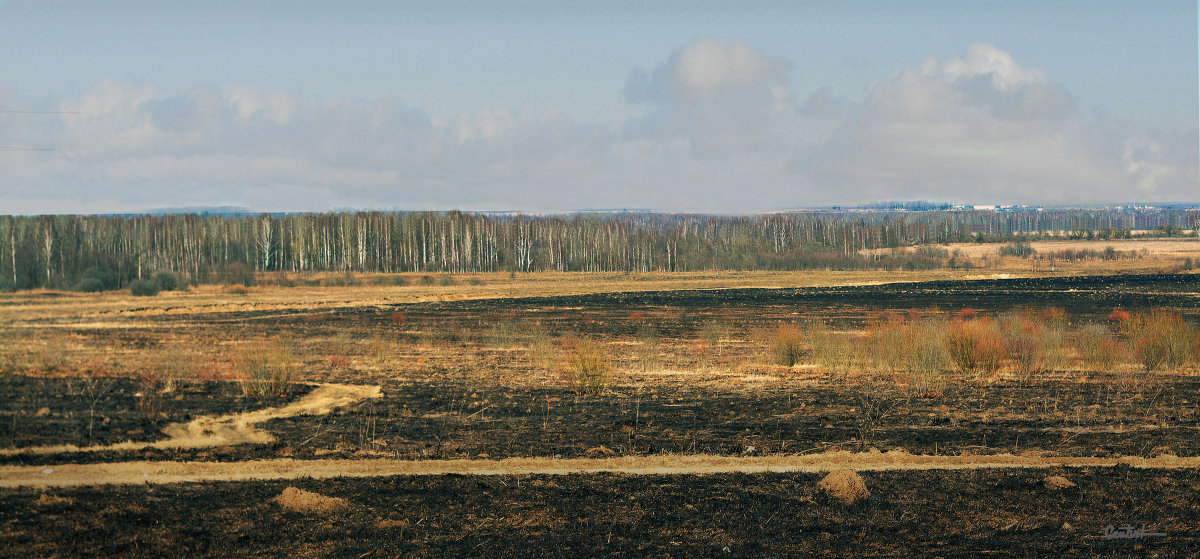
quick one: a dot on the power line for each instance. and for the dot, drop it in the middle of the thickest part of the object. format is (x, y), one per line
(39, 112)
(23, 148)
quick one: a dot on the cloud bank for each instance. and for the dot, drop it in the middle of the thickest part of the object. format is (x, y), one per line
(722, 130)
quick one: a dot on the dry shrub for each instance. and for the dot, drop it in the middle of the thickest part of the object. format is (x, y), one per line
(338, 362)
(236, 289)
(1033, 345)
(1054, 316)
(1099, 348)
(1118, 316)
(383, 351)
(176, 366)
(1026, 353)
(713, 333)
(785, 345)
(542, 351)
(915, 349)
(588, 368)
(299, 500)
(647, 347)
(834, 351)
(398, 318)
(53, 501)
(265, 367)
(504, 334)
(1160, 339)
(636, 317)
(150, 394)
(975, 345)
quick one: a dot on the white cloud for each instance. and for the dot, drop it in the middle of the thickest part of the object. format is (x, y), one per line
(725, 97)
(983, 127)
(722, 132)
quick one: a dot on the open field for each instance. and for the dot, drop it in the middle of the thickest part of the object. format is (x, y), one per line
(459, 419)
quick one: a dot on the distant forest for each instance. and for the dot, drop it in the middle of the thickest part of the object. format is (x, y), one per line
(59, 251)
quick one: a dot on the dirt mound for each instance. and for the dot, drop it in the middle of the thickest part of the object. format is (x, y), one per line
(844, 485)
(299, 500)
(1058, 482)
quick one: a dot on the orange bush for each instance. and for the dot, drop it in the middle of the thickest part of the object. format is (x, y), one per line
(786, 345)
(975, 345)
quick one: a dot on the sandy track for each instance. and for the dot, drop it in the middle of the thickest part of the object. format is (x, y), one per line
(238, 428)
(69, 475)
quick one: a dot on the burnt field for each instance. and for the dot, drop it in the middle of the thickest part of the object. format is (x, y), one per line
(686, 372)
(458, 420)
(946, 513)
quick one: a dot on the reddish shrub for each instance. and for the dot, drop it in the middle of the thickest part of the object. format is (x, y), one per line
(1118, 315)
(975, 345)
(786, 345)
(967, 314)
(637, 317)
(399, 318)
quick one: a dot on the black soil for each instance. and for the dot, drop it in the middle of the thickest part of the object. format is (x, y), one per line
(37, 411)
(449, 418)
(1005, 513)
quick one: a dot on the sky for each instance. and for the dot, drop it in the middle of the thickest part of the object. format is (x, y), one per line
(555, 106)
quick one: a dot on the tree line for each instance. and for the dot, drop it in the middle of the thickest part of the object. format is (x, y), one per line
(58, 251)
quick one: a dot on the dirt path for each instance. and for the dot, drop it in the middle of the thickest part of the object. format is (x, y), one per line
(238, 428)
(68, 475)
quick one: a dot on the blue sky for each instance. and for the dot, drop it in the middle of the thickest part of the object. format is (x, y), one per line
(537, 105)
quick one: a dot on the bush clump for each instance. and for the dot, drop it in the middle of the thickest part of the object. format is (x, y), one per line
(144, 288)
(1035, 342)
(914, 349)
(1160, 339)
(265, 367)
(169, 281)
(834, 351)
(975, 345)
(96, 279)
(588, 368)
(1099, 348)
(785, 344)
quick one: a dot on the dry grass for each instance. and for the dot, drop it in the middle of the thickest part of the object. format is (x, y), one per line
(299, 500)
